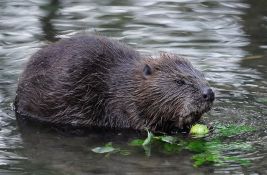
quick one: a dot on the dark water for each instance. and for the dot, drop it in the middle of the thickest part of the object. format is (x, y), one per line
(226, 39)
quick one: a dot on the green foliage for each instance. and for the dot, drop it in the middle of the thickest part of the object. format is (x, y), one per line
(217, 158)
(232, 130)
(169, 148)
(197, 146)
(212, 152)
(136, 142)
(168, 139)
(209, 150)
(206, 158)
(149, 138)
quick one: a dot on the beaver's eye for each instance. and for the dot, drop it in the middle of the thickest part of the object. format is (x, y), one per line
(180, 82)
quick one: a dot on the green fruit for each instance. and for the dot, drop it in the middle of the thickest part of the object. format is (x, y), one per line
(199, 129)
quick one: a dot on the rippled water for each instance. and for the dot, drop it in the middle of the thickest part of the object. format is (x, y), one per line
(227, 39)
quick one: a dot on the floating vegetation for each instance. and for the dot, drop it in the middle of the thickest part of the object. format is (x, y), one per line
(232, 130)
(206, 150)
(149, 138)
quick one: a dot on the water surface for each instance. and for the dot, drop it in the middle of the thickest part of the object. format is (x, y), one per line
(226, 39)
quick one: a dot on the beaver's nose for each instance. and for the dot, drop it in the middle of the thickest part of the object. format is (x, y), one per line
(208, 94)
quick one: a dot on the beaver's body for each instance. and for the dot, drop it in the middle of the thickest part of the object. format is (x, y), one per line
(93, 81)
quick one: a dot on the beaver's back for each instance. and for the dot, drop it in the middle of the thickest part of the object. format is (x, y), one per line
(67, 81)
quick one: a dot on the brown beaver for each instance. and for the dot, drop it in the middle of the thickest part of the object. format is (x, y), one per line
(88, 81)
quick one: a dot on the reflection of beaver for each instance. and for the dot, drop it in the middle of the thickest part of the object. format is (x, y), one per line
(93, 81)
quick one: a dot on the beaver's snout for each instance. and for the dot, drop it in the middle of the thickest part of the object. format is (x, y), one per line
(208, 94)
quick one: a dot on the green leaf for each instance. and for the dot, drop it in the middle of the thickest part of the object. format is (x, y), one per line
(196, 146)
(206, 158)
(105, 149)
(171, 148)
(209, 150)
(232, 130)
(136, 142)
(149, 138)
(168, 139)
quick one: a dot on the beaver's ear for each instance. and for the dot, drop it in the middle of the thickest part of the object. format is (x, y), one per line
(147, 70)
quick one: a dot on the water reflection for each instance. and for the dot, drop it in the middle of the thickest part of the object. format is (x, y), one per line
(51, 10)
(225, 38)
(255, 26)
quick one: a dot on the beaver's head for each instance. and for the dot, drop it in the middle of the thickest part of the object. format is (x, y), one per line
(173, 92)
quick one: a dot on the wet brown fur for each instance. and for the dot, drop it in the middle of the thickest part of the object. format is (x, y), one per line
(94, 81)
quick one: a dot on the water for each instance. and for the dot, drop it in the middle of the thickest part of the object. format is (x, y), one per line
(226, 39)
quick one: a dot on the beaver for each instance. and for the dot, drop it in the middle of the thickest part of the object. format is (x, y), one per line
(94, 81)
